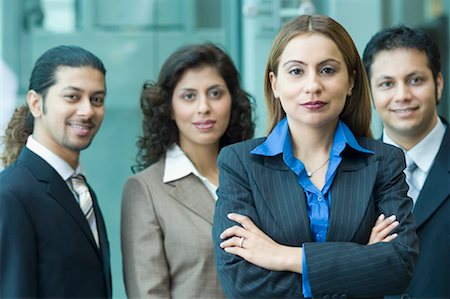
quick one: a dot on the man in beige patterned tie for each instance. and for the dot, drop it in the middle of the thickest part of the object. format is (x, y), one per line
(404, 69)
(52, 234)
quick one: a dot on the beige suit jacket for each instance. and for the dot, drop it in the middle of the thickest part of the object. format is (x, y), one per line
(167, 245)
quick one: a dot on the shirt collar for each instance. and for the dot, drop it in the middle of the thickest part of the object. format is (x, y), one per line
(279, 142)
(424, 152)
(61, 166)
(178, 166)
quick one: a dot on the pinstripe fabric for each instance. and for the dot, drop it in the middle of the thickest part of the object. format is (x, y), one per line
(431, 277)
(166, 237)
(264, 189)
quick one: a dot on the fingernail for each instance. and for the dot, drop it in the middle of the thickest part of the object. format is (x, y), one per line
(392, 217)
(396, 223)
(381, 216)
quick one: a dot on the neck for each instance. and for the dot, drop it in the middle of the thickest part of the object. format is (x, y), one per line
(312, 144)
(204, 158)
(69, 156)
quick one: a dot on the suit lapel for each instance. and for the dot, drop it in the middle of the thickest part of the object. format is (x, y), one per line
(437, 185)
(103, 240)
(186, 192)
(57, 189)
(350, 196)
(285, 199)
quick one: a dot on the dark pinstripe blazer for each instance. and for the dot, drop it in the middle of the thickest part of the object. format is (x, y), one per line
(47, 249)
(431, 278)
(265, 189)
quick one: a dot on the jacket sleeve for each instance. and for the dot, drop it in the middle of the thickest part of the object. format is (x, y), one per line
(380, 269)
(239, 278)
(18, 252)
(146, 271)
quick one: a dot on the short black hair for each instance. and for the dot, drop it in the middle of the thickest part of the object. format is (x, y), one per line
(403, 37)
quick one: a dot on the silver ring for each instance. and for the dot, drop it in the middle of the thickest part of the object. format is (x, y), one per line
(241, 243)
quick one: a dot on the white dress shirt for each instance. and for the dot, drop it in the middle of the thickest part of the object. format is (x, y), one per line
(423, 153)
(178, 165)
(61, 166)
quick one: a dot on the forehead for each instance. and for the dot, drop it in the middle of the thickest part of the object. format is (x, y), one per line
(82, 77)
(201, 76)
(399, 62)
(311, 46)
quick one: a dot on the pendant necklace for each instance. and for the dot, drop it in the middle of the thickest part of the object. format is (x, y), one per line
(310, 173)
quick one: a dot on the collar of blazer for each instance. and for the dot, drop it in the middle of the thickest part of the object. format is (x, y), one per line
(353, 161)
(57, 189)
(436, 189)
(191, 193)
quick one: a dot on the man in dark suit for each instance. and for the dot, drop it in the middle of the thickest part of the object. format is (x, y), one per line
(404, 68)
(53, 239)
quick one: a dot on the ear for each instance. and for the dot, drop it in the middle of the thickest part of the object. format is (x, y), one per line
(34, 101)
(351, 83)
(439, 87)
(273, 84)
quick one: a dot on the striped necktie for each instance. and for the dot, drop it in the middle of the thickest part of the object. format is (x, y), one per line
(413, 191)
(85, 200)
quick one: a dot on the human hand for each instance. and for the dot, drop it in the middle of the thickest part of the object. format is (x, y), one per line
(382, 228)
(253, 245)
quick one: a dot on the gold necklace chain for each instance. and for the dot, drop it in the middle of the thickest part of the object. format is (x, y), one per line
(310, 173)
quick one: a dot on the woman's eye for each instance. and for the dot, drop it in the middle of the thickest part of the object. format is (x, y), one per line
(295, 71)
(385, 84)
(189, 96)
(215, 93)
(328, 70)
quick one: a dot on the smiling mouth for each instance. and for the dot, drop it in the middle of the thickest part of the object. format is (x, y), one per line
(82, 129)
(402, 111)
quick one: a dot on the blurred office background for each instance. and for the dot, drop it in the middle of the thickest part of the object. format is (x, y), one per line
(134, 37)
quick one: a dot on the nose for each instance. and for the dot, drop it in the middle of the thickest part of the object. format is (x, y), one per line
(312, 83)
(85, 108)
(203, 105)
(403, 93)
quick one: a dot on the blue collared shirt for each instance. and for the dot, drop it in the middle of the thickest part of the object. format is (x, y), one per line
(319, 201)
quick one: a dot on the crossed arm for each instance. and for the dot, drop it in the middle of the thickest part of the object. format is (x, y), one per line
(253, 245)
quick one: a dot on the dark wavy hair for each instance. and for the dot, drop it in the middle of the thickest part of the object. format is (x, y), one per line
(19, 128)
(43, 76)
(159, 129)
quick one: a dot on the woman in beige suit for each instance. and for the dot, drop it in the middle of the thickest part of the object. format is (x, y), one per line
(195, 108)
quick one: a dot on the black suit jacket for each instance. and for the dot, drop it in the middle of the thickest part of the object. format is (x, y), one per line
(431, 278)
(47, 248)
(267, 191)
